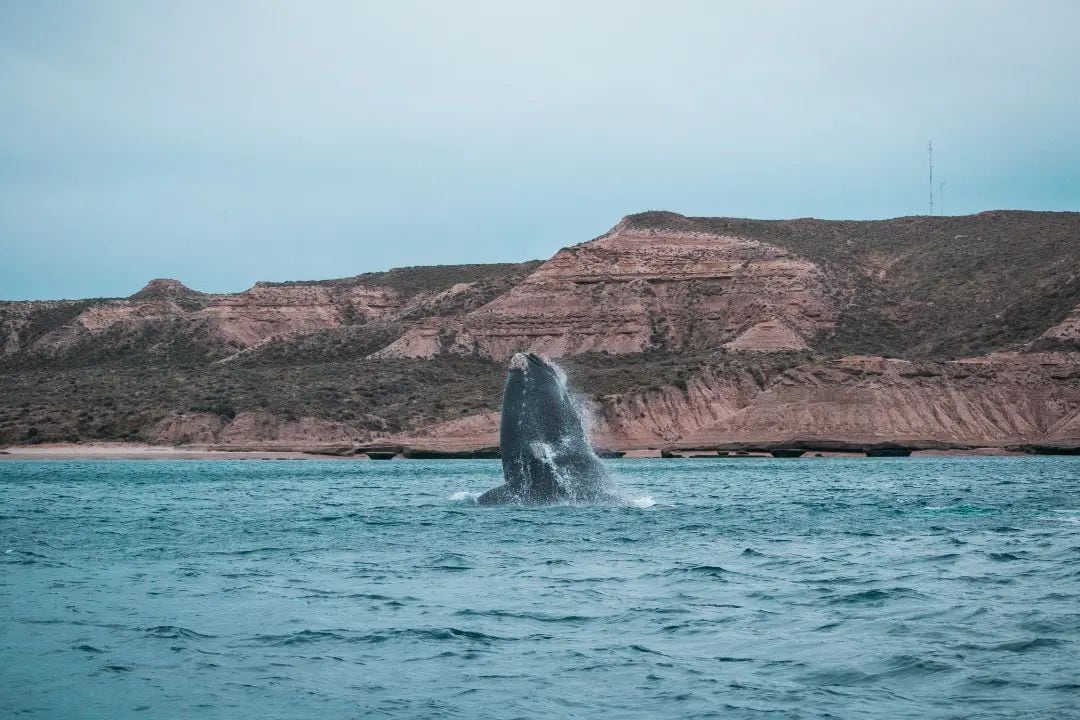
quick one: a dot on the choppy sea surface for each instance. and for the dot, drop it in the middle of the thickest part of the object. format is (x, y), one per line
(813, 588)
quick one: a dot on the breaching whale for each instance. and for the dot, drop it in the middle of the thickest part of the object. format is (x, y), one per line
(546, 456)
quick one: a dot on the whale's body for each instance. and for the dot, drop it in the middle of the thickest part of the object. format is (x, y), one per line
(546, 456)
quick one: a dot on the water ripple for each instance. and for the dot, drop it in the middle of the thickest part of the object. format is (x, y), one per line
(921, 588)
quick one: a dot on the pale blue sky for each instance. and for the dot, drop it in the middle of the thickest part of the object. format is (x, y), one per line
(222, 143)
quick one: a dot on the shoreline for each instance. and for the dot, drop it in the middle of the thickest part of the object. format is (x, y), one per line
(137, 451)
(141, 451)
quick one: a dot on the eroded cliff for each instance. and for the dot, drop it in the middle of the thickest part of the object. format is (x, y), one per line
(1008, 400)
(679, 331)
(634, 289)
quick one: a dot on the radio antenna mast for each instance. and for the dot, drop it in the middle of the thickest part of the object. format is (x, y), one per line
(930, 151)
(941, 198)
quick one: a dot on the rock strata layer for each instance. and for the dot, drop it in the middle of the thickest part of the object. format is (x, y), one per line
(694, 334)
(634, 289)
(856, 403)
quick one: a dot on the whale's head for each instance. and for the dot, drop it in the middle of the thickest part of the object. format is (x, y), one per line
(530, 363)
(535, 399)
(533, 380)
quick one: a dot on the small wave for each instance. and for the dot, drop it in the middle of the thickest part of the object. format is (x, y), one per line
(337, 595)
(1024, 646)
(173, 632)
(646, 650)
(963, 509)
(249, 551)
(710, 570)
(693, 627)
(993, 681)
(26, 557)
(538, 617)
(1065, 624)
(304, 637)
(837, 676)
(451, 562)
(986, 579)
(88, 648)
(904, 665)
(875, 595)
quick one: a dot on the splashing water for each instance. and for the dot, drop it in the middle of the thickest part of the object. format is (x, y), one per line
(464, 497)
(641, 501)
(598, 488)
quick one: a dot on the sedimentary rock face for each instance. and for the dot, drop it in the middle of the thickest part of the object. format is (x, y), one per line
(634, 289)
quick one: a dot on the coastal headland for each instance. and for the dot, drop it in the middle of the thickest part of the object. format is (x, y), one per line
(684, 337)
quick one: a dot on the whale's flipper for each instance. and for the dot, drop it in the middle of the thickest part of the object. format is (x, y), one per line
(501, 495)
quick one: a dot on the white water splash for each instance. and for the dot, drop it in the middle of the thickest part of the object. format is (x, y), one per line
(586, 413)
(464, 497)
(644, 501)
(584, 409)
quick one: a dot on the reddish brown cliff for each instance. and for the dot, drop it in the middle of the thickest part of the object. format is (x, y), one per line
(633, 289)
(682, 331)
(1009, 399)
(867, 400)
(166, 313)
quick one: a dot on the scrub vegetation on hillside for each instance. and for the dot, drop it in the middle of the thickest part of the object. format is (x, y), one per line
(917, 287)
(928, 287)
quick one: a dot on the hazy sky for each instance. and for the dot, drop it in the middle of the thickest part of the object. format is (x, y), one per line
(222, 143)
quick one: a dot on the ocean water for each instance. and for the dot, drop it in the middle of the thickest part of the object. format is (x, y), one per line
(813, 588)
